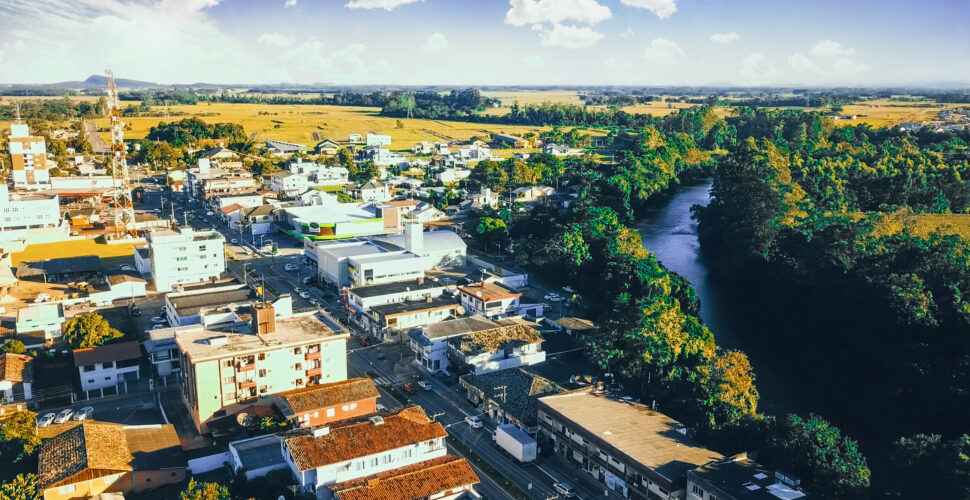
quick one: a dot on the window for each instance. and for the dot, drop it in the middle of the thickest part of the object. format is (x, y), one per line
(261, 356)
(345, 407)
(407, 453)
(298, 350)
(90, 380)
(298, 366)
(331, 412)
(353, 406)
(227, 363)
(374, 462)
(228, 380)
(88, 368)
(697, 491)
(107, 378)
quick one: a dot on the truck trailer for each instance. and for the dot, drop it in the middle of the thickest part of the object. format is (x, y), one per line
(515, 442)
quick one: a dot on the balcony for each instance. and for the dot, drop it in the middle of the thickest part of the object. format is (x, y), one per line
(310, 356)
(245, 367)
(314, 372)
(247, 384)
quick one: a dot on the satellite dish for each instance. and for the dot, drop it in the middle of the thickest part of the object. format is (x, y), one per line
(242, 418)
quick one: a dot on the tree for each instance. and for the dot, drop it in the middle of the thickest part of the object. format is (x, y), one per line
(14, 347)
(89, 330)
(926, 466)
(347, 161)
(492, 229)
(21, 487)
(18, 435)
(204, 491)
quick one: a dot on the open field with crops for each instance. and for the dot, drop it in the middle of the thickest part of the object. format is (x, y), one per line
(298, 123)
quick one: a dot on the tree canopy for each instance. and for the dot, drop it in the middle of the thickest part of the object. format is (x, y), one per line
(89, 330)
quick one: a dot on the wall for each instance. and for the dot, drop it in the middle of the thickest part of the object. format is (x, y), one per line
(373, 464)
(208, 462)
(320, 417)
(103, 376)
(143, 480)
(87, 489)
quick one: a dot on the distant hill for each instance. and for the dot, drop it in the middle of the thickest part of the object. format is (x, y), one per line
(102, 81)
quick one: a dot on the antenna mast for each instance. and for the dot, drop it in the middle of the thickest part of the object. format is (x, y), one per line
(124, 216)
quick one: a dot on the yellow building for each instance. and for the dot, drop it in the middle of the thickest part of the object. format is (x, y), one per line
(225, 372)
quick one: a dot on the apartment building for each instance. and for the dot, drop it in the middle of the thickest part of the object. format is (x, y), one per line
(185, 256)
(29, 159)
(224, 372)
(635, 452)
(357, 448)
(288, 182)
(33, 218)
(205, 181)
(326, 403)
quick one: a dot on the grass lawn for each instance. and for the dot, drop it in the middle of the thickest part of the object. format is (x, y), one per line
(329, 189)
(74, 248)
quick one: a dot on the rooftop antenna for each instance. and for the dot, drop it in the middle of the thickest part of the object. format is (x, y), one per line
(124, 212)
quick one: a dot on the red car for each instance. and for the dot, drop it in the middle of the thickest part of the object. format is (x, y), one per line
(409, 389)
(363, 341)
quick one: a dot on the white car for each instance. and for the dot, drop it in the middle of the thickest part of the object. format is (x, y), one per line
(234, 241)
(315, 302)
(568, 289)
(126, 267)
(43, 297)
(210, 214)
(553, 297)
(473, 422)
(424, 385)
(45, 420)
(159, 319)
(83, 413)
(291, 267)
(304, 295)
(63, 416)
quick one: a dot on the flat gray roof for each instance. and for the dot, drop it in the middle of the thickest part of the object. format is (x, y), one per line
(198, 344)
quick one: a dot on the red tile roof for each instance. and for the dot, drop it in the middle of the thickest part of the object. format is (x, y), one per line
(228, 209)
(489, 291)
(358, 438)
(317, 397)
(412, 482)
(16, 368)
(404, 203)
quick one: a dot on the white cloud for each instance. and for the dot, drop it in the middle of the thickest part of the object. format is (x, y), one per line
(757, 69)
(725, 38)
(7, 47)
(662, 8)
(290, 3)
(435, 43)
(570, 37)
(532, 60)
(829, 48)
(378, 4)
(523, 12)
(626, 35)
(347, 65)
(663, 51)
(805, 66)
(276, 40)
(848, 66)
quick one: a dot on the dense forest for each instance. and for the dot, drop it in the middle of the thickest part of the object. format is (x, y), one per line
(190, 130)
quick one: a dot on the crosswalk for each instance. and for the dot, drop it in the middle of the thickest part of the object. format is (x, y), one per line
(385, 380)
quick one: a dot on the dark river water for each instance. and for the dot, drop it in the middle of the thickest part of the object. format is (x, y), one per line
(671, 234)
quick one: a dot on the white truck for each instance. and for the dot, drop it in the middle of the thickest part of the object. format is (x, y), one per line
(515, 442)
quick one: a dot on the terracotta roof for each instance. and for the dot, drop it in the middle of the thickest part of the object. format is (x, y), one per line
(361, 437)
(115, 279)
(317, 397)
(489, 291)
(16, 368)
(420, 480)
(89, 451)
(109, 352)
(228, 209)
(404, 203)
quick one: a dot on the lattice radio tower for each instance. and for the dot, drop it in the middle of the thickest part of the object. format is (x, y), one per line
(124, 216)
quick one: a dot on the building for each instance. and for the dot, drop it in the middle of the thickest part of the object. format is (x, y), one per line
(29, 159)
(445, 478)
(220, 153)
(633, 451)
(361, 299)
(510, 396)
(422, 148)
(163, 353)
(402, 316)
(95, 458)
(108, 366)
(221, 303)
(384, 157)
(451, 175)
(46, 318)
(512, 344)
(327, 403)
(578, 327)
(244, 200)
(326, 147)
(443, 249)
(31, 218)
(257, 220)
(492, 300)
(285, 148)
(288, 182)
(16, 378)
(354, 138)
(257, 456)
(362, 447)
(485, 198)
(205, 181)
(373, 139)
(740, 478)
(224, 372)
(375, 191)
(510, 141)
(333, 221)
(529, 194)
(553, 149)
(431, 343)
(185, 256)
(82, 268)
(369, 262)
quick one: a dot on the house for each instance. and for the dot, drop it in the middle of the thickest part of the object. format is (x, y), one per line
(245, 200)
(288, 182)
(257, 456)
(46, 318)
(740, 478)
(285, 148)
(512, 344)
(510, 396)
(185, 256)
(579, 327)
(326, 403)
(510, 278)
(375, 191)
(224, 372)
(491, 300)
(450, 175)
(314, 197)
(373, 139)
(220, 153)
(510, 141)
(527, 194)
(331, 176)
(83, 268)
(422, 148)
(258, 220)
(477, 151)
(484, 198)
(98, 458)
(426, 213)
(353, 449)
(354, 138)
(635, 451)
(554, 149)
(108, 366)
(445, 478)
(385, 157)
(127, 284)
(326, 147)
(222, 302)
(163, 353)
(16, 377)
(430, 343)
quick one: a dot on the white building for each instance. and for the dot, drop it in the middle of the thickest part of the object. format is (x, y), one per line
(491, 300)
(353, 449)
(29, 157)
(288, 182)
(384, 157)
(362, 298)
(246, 200)
(108, 366)
(450, 175)
(31, 218)
(46, 318)
(375, 191)
(443, 249)
(373, 139)
(511, 342)
(185, 256)
(320, 175)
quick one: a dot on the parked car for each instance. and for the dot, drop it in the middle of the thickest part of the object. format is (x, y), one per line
(304, 295)
(408, 388)
(126, 267)
(363, 341)
(565, 489)
(210, 214)
(474, 422)
(83, 413)
(291, 267)
(159, 319)
(307, 280)
(63, 416)
(233, 241)
(424, 385)
(315, 302)
(45, 420)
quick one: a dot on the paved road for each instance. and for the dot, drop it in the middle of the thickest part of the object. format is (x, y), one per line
(97, 143)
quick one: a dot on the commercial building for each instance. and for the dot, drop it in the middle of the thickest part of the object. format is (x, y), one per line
(443, 249)
(108, 366)
(491, 300)
(740, 478)
(353, 449)
(31, 218)
(445, 478)
(402, 316)
(373, 139)
(513, 343)
(205, 181)
(510, 396)
(633, 451)
(257, 456)
(361, 298)
(185, 256)
(326, 403)
(332, 221)
(226, 371)
(29, 159)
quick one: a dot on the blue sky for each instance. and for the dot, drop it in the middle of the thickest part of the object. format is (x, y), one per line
(489, 42)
